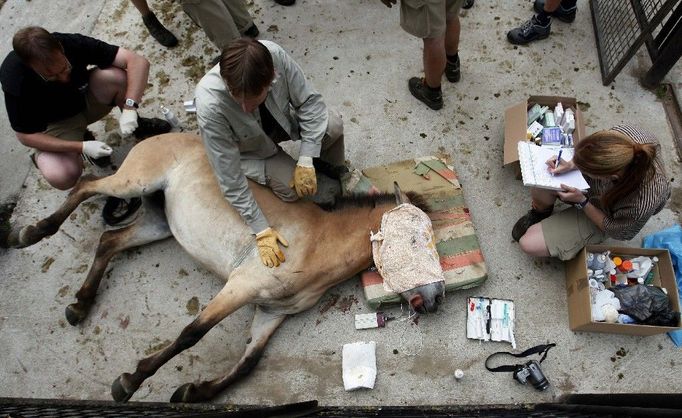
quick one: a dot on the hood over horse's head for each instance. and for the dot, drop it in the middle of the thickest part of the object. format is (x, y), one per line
(424, 291)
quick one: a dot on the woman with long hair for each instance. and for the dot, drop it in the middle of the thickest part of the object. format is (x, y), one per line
(628, 185)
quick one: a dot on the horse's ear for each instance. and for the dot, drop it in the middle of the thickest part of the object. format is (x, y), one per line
(400, 197)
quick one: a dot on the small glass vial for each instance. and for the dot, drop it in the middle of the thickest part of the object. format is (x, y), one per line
(171, 118)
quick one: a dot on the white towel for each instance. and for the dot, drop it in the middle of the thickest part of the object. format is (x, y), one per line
(359, 365)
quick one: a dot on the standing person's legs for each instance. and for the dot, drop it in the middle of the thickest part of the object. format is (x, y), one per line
(434, 61)
(427, 20)
(141, 6)
(155, 28)
(214, 18)
(452, 31)
(240, 14)
(540, 25)
(563, 10)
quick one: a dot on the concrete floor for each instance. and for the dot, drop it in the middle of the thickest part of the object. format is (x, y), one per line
(357, 56)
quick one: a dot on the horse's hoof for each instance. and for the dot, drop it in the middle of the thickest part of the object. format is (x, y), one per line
(186, 393)
(75, 314)
(121, 390)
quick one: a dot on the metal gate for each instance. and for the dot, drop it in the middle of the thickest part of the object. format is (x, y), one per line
(622, 26)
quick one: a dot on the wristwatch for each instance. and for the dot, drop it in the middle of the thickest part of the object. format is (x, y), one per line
(581, 205)
(132, 103)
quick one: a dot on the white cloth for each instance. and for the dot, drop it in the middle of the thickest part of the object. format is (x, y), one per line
(404, 250)
(604, 301)
(359, 365)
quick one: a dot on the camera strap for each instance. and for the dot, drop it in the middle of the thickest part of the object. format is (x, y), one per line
(538, 349)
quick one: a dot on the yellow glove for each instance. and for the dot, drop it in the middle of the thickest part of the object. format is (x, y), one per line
(268, 249)
(304, 180)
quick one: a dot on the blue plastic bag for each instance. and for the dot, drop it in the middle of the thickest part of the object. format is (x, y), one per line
(671, 239)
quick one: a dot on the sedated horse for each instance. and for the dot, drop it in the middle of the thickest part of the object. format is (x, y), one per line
(181, 198)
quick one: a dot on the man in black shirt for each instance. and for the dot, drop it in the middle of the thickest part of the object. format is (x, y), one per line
(52, 96)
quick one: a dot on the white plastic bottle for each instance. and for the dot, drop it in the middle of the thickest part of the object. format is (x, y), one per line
(171, 118)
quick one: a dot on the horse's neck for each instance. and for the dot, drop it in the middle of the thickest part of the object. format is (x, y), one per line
(353, 227)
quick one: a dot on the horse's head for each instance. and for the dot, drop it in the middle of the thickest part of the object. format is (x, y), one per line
(423, 298)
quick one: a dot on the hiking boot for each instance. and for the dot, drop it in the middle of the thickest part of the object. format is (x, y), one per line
(118, 210)
(335, 172)
(158, 31)
(285, 2)
(529, 219)
(565, 15)
(147, 127)
(430, 97)
(530, 31)
(252, 31)
(452, 70)
(468, 4)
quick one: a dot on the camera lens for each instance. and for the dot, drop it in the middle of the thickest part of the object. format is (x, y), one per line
(542, 384)
(536, 377)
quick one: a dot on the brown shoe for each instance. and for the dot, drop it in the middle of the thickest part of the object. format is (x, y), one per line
(529, 219)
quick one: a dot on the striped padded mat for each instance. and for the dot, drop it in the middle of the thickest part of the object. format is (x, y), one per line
(456, 240)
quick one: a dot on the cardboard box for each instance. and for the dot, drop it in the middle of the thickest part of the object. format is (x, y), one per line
(516, 122)
(578, 290)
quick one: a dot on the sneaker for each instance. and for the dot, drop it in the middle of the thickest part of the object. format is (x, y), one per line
(529, 219)
(147, 127)
(158, 31)
(335, 172)
(452, 71)
(565, 15)
(530, 31)
(252, 31)
(117, 210)
(285, 2)
(419, 89)
(468, 4)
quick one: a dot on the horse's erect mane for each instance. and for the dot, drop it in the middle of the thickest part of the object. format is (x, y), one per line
(363, 200)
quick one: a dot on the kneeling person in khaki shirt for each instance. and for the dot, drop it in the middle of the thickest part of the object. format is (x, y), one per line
(256, 97)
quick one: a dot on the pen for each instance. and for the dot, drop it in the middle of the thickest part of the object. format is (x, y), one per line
(558, 159)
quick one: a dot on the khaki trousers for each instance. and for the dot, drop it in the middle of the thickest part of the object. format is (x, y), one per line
(221, 20)
(279, 169)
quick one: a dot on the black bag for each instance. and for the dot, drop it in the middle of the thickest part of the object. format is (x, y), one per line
(648, 305)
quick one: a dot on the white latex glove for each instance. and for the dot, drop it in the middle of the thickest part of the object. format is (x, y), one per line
(96, 149)
(128, 121)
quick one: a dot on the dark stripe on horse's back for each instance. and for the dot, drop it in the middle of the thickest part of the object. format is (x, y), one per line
(363, 200)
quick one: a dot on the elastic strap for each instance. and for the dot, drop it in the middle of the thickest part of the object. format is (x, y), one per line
(538, 349)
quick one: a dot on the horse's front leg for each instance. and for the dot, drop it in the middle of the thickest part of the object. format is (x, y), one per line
(20, 237)
(263, 326)
(235, 294)
(149, 227)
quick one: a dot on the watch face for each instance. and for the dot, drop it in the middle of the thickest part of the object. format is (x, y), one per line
(131, 103)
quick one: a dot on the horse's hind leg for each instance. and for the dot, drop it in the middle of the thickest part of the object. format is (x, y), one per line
(149, 227)
(237, 292)
(263, 326)
(135, 177)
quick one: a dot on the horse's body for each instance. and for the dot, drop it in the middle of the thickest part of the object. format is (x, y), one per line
(325, 249)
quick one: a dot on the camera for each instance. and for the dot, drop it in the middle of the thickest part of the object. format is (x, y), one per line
(531, 372)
